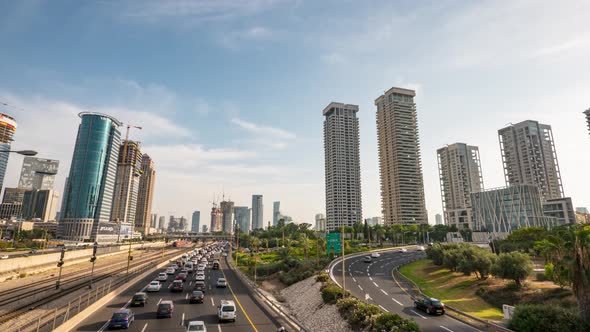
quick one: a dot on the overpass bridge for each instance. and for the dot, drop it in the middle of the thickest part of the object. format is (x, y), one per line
(193, 236)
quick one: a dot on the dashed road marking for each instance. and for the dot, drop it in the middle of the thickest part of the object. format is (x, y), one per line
(159, 302)
(382, 308)
(353, 279)
(396, 301)
(418, 314)
(360, 287)
(371, 278)
(182, 320)
(446, 328)
(384, 292)
(374, 283)
(186, 297)
(212, 303)
(144, 327)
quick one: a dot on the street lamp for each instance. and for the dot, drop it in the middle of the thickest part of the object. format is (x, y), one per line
(28, 153)
(93, 260)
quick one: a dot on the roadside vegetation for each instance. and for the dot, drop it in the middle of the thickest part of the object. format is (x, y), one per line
(479, 282)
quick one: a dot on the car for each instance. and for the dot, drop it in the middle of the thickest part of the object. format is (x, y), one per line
(215, 266)
(221, 283)
(185, 271)
(367, 259)
(200, 277)
(421, 248)
(224, 254)
(196, 297)
(375, 255)
(33, 251)
(430, 306)
(139, 299)
(154, 286)
(226, 311)
(177, 286)
(181, 276)
(196, 326)
(162, 277)
(4, 257)
(165, 309)
(199, 285)
(122, 318)
(170, 270)
(404, 250)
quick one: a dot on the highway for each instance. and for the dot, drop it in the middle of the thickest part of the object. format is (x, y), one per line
(250, 316)
(373, 283)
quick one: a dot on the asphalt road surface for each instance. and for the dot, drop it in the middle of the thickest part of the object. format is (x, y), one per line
(373, 283)
(250, 316)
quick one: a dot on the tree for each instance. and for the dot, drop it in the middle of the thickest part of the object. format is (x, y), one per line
(439, 233)
(523, 239)
(568, 249)
(515, 266)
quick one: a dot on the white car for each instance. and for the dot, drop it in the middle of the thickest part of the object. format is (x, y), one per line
(4, 257)
(375, 255)
(224, 254)
(162, 276)
(200, 277)
(154, 286)
(421, 248)
(404, 250)
(221, 283)
(170, 270)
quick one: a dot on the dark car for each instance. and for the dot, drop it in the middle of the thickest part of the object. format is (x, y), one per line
(177, 286)
(197, 297)
(216, 265)
(199, 286)
(165, 309)
(430, 305)
(181, 276)
(121, 319)
(139, 300)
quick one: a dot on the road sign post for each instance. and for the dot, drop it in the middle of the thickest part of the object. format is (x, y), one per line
(333, 242)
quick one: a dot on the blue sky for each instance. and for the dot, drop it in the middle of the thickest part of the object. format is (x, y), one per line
(230, 93)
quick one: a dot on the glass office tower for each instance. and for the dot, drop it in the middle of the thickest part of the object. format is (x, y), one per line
(88, 196)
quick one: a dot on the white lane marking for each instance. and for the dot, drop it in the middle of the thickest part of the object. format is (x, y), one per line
(418, 314)
(159, 301)
(353, 279)
(169, 286)
(384, 292)
(374, 283)
(370, 278)
(380, 306)
(144, 327)
(182, 320)
(104, 326)
(446, 329)
(219, 327)
(396, 301)
(212, 303)
(186, 297)
(360, 287)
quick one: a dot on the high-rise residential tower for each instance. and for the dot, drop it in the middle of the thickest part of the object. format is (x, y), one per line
(242, 216)
(145, 195)
(7, 129)
(227, 224)
(438, 219)
(459, 170)
(88, 194)
(127, 183)
(257, 212)
(529, 157)
(587, 113)
(276, 213)
(196, 220)
(400, 165)
(37, 173)
(342, 165)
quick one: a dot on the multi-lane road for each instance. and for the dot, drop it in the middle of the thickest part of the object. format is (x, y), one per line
(250, 315)
(374, 283)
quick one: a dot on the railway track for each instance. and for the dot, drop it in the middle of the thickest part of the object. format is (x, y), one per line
(13, 313)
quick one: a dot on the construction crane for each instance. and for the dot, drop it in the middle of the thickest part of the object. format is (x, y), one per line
(126, 142)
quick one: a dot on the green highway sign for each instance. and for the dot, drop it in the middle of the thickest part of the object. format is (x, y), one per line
(333, 243)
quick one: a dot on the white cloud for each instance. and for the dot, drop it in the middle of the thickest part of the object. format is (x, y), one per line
(263, 130)
(259, 33)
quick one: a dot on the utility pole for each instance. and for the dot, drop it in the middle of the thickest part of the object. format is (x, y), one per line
(238, 244)
(93, 260)
(60, 264)
(163, 246)
(343, 264)
(129, 259)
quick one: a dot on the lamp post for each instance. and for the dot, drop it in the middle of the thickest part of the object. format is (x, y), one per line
(343, 265)
(93, 260)
(60, 264)
(238, 244)
(28, 153)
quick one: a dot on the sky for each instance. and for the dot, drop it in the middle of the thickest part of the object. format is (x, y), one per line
(230, 93)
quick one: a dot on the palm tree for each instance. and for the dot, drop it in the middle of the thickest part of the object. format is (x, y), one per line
(255, 243)
(568, 249)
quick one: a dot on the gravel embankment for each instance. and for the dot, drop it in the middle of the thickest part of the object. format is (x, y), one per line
(304, 301)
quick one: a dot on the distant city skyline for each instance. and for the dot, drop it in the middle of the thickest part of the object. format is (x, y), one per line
(484, 78)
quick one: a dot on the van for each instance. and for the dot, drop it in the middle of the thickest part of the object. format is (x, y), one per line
(226, 311)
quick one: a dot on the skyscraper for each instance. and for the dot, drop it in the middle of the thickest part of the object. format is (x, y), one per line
(216, 219)
(529, 157)
(342, 166)
(587, 113)
(145, 195)
(242, 216)
(127, 184)
(88, 195)
(400, 165)
(257, 212)
(227, 209)
(438, 219)
(276, 213)
(162, 223)
(196, 220)
(7, 129)
(40, 204)
(37, 173)
(459, 170)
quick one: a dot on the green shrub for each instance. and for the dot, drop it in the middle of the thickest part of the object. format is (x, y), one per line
(331, 294)
(347, 306)
(546, 318)
(322, 277)
(393, 322)
(363, 314)
(513, 266)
